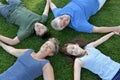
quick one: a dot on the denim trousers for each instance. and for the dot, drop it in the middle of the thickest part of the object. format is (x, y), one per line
(6, 8)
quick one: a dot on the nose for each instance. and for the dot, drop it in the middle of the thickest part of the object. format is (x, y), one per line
(73, 50)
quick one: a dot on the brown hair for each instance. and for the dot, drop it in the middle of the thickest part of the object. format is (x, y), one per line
(45, 35)
(80, 41)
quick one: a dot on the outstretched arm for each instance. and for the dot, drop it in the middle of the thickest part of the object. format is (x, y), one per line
(106, 29)
(13, 51)
(102, 39)
(77, 69)
(52, 5)
(48, 72)
(46, 10)
(9, 40)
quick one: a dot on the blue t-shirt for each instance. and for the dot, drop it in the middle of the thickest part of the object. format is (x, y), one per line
(79, 12)
(100, 64)
(25, 68)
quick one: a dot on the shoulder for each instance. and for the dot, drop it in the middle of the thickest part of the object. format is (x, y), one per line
(88, 46)
(78, 61)
(47, 65)
(29, 51)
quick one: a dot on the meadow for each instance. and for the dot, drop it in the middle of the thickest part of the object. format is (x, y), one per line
(109, 15)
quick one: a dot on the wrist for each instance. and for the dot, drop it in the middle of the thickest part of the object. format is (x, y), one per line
(113, 33)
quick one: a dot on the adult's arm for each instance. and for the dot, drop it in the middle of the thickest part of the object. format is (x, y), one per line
(77, 69)
(102, 39)
(106, 29)
(48, 73)
(46, 10)
(52, 5)
(11, 50)
(9, 41)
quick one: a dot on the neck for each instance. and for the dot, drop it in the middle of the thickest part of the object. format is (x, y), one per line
(40, 55)
(86, 53)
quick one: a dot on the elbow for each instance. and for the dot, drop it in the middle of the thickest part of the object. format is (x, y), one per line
(14, 42)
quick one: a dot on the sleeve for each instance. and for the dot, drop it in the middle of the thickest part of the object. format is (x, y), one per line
(83, 27)
(23, 35)
(44, 18)
(56, 11)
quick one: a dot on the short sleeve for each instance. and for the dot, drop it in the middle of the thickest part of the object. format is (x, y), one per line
(23, 35)
(44, 18)
(83, 27)
(56, 11)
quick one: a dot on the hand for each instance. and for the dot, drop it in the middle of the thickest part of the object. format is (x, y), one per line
(48, 0)
(117, 33)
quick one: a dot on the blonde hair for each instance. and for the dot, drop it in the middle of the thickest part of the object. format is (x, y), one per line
(56, 42)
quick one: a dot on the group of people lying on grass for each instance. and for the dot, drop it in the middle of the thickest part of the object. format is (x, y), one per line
(30, 65)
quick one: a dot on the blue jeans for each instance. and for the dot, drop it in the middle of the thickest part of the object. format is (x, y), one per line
(117, 76)
(6, 8)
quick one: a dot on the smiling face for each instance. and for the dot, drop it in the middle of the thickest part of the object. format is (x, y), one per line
(60, 22)
(48, 48)
(40, 29)
(64, 20)
(75, 50)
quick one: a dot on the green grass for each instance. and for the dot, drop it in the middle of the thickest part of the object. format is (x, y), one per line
(109, 15)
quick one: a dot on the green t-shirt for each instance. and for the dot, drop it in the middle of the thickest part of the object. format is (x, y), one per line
(25, 19)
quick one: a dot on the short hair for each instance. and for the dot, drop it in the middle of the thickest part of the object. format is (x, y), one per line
(46, 34)
(55, 23)
(56, 42)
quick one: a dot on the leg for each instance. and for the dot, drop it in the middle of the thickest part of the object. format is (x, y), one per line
(101, 2)
(117, 76)
(13, 1)
(106, 29)
(3, 10)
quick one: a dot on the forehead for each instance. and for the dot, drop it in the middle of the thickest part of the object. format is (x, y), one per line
(50, 43)
(70, 45)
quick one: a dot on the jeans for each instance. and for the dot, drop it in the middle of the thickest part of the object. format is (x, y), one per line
(6, 8)
(117, 76)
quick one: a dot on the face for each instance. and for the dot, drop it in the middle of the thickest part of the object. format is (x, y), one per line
(75, 50)
(48, 48)
(64, 20)
(40, 29)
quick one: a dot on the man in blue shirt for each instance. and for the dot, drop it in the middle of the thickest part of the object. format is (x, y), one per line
(76, 15)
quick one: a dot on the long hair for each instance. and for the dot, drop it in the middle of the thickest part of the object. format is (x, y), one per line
(80, 41)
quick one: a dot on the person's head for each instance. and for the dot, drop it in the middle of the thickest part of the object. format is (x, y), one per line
(60, 22)
(50, 47)
(75, 47)
(41, 30)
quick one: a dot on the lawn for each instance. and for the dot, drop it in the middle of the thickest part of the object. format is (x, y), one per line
(109, 15)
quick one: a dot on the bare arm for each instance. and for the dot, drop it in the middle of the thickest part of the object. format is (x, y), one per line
(13, 51)
(46, 10)
(52, 5)
(77, 69)
(48, 72)
(9, 40)
(106, 29)
(102, 39)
